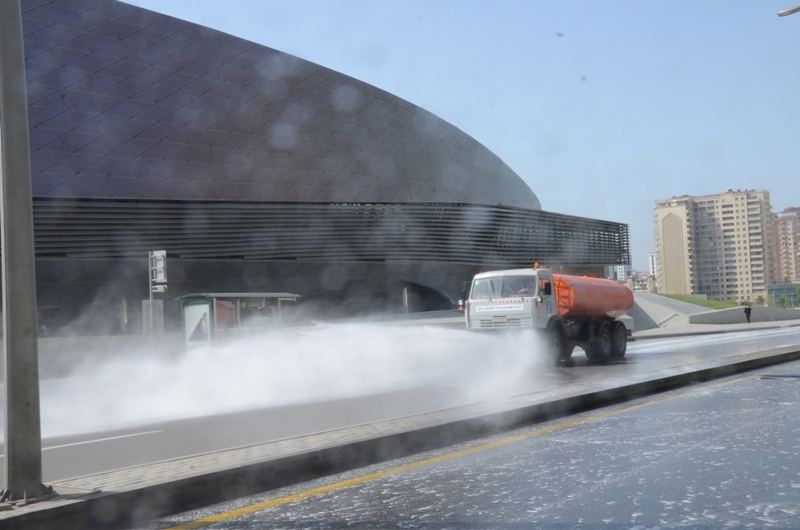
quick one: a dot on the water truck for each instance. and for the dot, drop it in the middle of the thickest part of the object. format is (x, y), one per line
(570, 310)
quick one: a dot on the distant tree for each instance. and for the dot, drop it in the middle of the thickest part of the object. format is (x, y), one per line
(760, 300)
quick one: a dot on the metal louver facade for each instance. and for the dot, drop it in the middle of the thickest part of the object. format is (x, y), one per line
(468, 234)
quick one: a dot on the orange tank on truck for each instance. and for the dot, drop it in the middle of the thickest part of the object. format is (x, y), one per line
(591, 297)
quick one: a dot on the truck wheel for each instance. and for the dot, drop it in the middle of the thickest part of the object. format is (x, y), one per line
(558, 342)
(600, 347)
(619, 341)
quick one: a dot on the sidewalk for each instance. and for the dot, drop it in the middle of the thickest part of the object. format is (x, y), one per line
(708, 329)
(675, 325)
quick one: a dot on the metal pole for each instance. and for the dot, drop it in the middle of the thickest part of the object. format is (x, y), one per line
(150, 274)
(124, 317)
(23, 440)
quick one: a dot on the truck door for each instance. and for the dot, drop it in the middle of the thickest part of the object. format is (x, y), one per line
(545, 301)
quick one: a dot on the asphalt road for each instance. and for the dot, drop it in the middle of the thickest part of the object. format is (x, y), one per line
(157, 440)
(724, 454)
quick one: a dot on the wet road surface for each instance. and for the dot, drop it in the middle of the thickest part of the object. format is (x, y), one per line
(724, 454)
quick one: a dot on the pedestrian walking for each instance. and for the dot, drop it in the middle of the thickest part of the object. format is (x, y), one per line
(747, 311)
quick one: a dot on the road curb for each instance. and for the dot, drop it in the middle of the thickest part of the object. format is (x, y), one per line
(140, 505)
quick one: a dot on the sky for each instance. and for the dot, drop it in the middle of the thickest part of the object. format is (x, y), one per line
(601, 107)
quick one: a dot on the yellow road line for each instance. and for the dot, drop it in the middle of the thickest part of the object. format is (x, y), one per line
(363, 479)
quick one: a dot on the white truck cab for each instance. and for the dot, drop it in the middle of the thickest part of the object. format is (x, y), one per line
(513, 298)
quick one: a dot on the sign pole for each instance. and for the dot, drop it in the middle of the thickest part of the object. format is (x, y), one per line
(158, 279)
(150, 290)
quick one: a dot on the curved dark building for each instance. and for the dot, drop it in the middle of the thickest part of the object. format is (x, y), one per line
(256, 170)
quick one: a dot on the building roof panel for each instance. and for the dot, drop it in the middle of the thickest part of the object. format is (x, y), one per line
(253, 114)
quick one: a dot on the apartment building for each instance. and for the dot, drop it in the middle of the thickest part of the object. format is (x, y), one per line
(788, 228)
(674, 224)
(652, 266)
(723, 245)
(619, 272)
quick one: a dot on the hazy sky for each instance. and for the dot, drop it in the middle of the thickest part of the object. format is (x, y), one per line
(602, 107)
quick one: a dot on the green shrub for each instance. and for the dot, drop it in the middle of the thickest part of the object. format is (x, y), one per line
(696, 300)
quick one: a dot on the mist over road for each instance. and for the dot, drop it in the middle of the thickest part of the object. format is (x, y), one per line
(146, 408)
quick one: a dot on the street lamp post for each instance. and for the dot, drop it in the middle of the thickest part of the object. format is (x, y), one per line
(23, 441)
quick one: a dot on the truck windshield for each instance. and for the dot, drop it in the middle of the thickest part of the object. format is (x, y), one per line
(503, 287)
